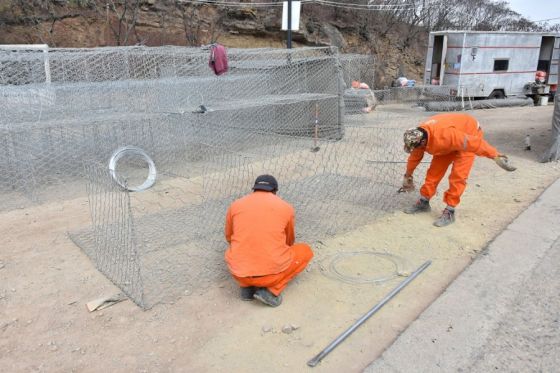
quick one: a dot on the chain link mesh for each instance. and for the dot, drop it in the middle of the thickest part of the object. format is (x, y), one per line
(290, 113)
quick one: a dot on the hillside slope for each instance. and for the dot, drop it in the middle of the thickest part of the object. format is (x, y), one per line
(82, 23)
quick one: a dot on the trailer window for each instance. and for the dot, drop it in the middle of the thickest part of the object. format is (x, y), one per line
(501, 65)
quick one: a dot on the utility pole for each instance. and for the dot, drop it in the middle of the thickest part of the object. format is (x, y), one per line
(106, 24)
(289, 24)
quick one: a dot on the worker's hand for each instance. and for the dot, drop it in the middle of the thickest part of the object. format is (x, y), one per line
(503, 161)
(408, 184)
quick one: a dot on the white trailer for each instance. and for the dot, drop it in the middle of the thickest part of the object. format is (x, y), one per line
(492, 64)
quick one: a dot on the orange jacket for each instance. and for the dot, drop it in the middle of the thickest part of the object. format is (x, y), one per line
(448, 133)
(260, 230)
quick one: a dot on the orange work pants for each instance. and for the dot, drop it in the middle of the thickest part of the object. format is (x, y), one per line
(462, 164)
(277, 282)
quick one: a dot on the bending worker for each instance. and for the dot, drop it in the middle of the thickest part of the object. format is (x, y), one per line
(262, 256)
(453, 139)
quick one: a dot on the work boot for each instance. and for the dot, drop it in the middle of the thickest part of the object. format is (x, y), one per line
(422, 205)
(447, 217)
(265, 296)
(248, 292)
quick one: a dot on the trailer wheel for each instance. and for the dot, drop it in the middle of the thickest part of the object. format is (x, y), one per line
(497, 93)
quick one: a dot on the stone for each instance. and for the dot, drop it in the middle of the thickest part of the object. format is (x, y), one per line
(332, 35)
(289, 328)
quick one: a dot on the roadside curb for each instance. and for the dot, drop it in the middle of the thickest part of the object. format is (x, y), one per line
(449, 334)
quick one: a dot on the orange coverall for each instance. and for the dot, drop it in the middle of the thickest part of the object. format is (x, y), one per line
(260, 231)
(456, 139)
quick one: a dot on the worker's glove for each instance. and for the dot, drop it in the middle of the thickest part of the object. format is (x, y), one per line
(503, 161)
(408, 184)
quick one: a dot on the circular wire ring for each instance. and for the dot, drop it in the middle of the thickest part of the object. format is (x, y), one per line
(333, 272)
(132, 150)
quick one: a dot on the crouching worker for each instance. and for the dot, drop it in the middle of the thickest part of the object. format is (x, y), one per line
(453, 140)
(262, 256)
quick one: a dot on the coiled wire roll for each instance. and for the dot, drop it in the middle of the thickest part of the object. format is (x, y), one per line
(132, 150)
(400, 266)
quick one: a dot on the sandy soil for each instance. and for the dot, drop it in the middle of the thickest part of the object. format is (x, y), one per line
(45, 281)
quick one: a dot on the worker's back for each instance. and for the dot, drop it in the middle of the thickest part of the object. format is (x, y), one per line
(260, 230)
(446, 132)
(463, 122)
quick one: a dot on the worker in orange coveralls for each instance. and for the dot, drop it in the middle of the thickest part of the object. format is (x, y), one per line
(262, 256)
(453, 139)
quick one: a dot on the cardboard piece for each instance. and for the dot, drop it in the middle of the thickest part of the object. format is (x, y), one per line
(104, 302)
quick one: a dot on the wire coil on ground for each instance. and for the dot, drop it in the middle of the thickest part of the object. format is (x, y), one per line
(333, 272)
(132, 150)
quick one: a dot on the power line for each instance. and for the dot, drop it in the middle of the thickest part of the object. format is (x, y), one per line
(232, 4)
(338, 4)
(546, 20)
(362, 6)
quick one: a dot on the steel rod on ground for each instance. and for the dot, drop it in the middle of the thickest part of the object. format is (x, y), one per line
(375, 161)
(313, 362)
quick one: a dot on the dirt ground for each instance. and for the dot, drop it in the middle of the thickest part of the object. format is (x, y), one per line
(45, 281)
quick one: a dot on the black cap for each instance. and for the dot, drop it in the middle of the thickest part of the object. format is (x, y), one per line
(266, 182)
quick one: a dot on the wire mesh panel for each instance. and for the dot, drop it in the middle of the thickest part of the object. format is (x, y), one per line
(358, 78)
(112, 244)
(201, 140)
(50, 126)
(358, 67)
(177, 233)
(24, 64)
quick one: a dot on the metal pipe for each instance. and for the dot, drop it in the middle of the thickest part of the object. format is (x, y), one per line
(463, 60)
(47, 65)
(24, 46)
(377, 161)
(313, 362)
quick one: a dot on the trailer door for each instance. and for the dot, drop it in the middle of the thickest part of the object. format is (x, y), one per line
(553, 72)
(428, 66)
(435, 61)
(442, 63)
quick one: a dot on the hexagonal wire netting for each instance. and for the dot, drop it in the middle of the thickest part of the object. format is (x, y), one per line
(336, 148)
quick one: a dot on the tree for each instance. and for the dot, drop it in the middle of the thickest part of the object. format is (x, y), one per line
(121, 17)
(197, 31)
(41, 16)
(191, 22)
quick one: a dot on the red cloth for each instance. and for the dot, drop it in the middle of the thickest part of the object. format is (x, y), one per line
(218, 61)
